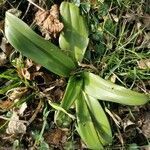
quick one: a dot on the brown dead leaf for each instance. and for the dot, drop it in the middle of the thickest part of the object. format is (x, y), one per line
(1, 26)
(48, 21)
(5, 104)
(146, 21)
(25, 73)
(147, 40)
(6, 47)
(130, 17)
(58, 94)
(16, 93)
(29, 63)
(144, 64)
(56, 137)
(29, 71)
(146, 125)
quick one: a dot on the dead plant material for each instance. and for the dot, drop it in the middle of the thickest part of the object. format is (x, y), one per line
(144, 64)
(56, 137)
(1, 26)
(48, 21)
(15, 126)
(5, 104)
(3, 59)
(146, 125)
(25, 74)
(58, 94)
(16, 93)
(35, 113)
(6, 47)
(30, 70)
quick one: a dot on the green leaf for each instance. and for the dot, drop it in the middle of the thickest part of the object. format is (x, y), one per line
(12, 80)
(99, 119)
(30, 44)
(59, 108)
(85, 126)
(72, 91)
(74, 38)
(101, 89)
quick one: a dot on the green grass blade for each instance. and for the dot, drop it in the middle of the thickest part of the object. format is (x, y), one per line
(72, 91)
(74, 37)
(9, 80)
(85, 126)
(99, 119)
(25, 40)
(101, 89)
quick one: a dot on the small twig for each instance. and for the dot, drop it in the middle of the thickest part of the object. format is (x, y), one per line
(35, 113)
(26, 11)
(115, 118)
(30, 1)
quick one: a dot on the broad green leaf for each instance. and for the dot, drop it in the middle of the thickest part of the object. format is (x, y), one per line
(30, 44)
(74, 38)
(99, 119)
(72, 91)
(85, 126)
(101, 89)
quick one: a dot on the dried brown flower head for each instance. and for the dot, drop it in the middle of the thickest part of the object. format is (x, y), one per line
(48, 21)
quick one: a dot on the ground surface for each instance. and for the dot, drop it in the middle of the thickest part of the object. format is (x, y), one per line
(119, 49)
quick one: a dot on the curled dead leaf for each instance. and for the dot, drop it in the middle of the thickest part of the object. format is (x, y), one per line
(15, 126)
(16, 93)
(48, 21)
(128, 125)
